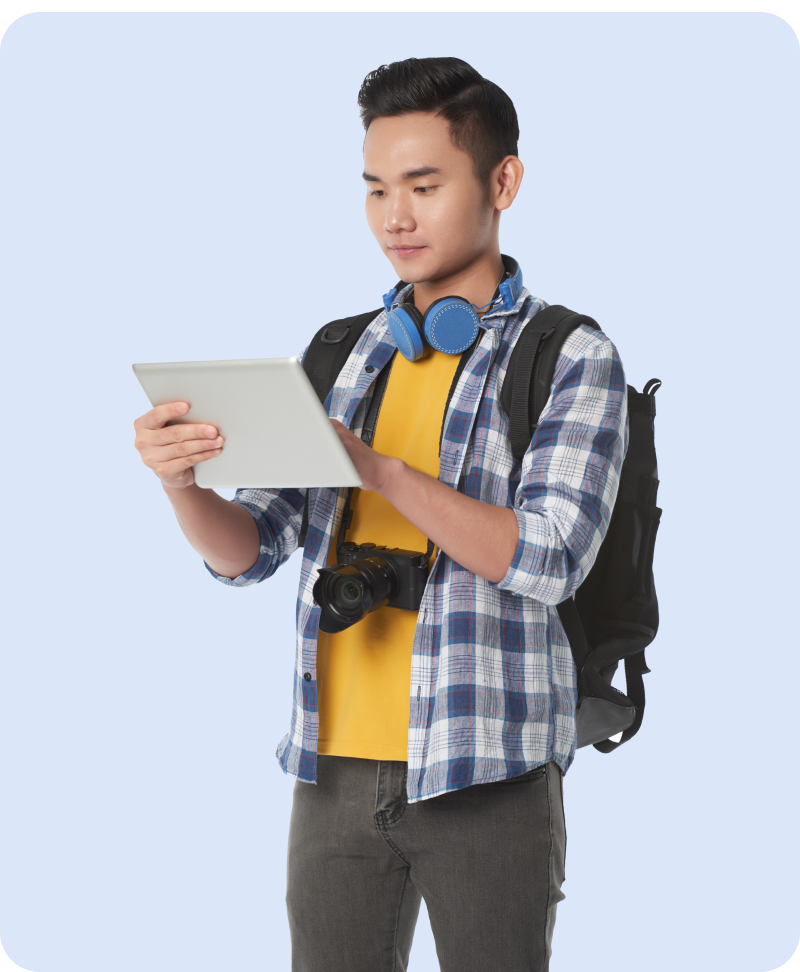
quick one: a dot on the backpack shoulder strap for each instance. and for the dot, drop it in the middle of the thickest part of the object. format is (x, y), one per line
(330, 348)
(530, 371)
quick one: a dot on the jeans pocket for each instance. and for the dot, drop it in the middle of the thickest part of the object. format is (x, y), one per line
(531, 774)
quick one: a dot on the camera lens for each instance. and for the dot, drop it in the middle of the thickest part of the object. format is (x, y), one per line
(347, 592)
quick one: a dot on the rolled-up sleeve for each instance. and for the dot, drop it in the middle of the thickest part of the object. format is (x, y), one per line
(570, 473)
(278, 515)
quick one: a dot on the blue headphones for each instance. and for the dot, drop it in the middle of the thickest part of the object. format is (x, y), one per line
(450, 324)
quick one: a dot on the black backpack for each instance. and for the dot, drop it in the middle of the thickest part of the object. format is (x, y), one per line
(613, 615)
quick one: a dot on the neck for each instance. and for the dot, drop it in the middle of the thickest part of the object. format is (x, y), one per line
(475, 282)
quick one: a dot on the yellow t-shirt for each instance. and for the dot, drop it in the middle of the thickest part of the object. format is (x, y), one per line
(364, 672)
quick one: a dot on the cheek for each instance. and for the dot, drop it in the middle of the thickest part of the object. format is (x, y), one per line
(374, 219)
(453, 223)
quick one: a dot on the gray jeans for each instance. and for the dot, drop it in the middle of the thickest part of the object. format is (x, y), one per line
(488, 860)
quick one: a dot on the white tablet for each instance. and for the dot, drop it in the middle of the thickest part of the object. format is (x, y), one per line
(277, 434)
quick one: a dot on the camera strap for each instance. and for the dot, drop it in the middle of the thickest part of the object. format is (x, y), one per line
(347, 516)
(367, 435)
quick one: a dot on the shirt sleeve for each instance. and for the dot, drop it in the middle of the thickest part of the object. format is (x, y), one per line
(279, 516)
(570, 473)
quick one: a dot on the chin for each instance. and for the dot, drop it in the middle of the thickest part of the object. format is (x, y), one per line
(416, 270)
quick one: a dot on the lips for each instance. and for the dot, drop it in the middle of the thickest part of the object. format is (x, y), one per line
(406, 251)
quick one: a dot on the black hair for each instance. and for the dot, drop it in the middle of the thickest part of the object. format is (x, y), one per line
(482, 118)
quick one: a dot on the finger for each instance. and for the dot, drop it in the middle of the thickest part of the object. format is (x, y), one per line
(341, 430)
(157, 417)
(152, 455)
(178, 433)
(173, 468)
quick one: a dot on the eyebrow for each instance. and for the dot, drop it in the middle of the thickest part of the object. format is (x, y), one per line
(423, 170)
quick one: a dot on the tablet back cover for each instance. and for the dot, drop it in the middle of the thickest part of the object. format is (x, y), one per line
(277, 434)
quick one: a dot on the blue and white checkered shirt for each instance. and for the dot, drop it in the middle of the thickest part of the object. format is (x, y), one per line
(493, 684)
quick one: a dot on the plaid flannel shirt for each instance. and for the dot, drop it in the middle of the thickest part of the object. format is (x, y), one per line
(493, 684)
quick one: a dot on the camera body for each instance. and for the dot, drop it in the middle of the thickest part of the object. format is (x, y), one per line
(411, 567)
(365, 578)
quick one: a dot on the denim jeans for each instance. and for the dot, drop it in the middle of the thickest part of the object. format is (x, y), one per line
(488, 860)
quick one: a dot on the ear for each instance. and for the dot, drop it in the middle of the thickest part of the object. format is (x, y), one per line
(505, 181)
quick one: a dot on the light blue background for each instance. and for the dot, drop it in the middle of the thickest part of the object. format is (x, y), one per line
(187, 186)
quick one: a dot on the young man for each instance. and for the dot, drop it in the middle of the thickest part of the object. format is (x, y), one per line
(436, 739)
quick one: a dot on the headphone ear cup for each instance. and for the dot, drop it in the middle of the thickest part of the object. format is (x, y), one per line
(451, 325)
(407, 327)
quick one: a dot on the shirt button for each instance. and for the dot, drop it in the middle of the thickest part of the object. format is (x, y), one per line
(307, 676)
(369, 369)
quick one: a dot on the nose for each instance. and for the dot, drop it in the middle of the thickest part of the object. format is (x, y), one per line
(399, 216)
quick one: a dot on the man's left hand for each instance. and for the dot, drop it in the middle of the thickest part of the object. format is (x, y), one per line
(374, 468)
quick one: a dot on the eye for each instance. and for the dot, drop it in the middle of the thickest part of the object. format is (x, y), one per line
(376, 192)
(425, 189)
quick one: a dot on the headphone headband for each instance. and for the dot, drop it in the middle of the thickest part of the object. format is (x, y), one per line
(511, 286)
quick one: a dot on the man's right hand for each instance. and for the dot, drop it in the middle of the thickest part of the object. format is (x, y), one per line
(171, 450)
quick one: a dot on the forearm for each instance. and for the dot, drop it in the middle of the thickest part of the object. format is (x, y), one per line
(223, 533)
(478, 536)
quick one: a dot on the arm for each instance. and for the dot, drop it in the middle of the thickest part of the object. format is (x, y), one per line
(545, 545)
(477, 535)
(224, 534)
(570, 472)
(232, 537)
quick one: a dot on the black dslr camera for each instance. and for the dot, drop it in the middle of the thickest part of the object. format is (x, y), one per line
(366, 578)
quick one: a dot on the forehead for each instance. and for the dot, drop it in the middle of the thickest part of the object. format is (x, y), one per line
(407, 142)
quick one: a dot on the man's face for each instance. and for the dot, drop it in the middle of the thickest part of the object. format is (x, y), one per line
(425, 206)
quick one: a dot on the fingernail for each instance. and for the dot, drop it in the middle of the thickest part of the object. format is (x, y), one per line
(211, 433)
